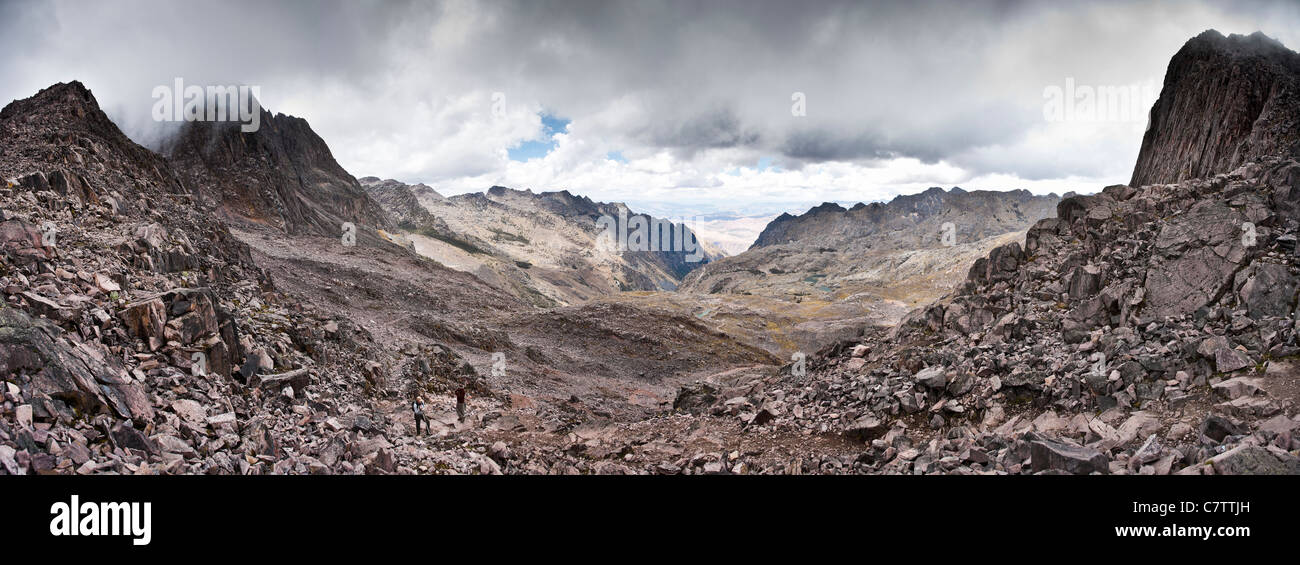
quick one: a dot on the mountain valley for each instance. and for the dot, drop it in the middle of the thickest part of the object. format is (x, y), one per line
(238, 303)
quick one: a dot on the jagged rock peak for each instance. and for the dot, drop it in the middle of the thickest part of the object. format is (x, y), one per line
(1226, 101)
(283, 175)
(67, 98)
(373, 183)
(63, 107)
(61, 133)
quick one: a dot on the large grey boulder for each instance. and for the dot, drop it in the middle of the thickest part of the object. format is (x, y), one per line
(1226, 357)
(78, 374)
(935, 378)
(1266, 289)
(1255, 460)
(1195, 257)
(1048, 455)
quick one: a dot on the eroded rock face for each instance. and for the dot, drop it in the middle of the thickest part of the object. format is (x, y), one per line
(75, 375)
(1001, 264)
(1266, 289)
(545, 247)
(1226, 101)
(1195, 259)
(283, 175)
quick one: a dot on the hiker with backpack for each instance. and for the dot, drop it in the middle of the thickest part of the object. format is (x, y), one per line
(460, 404)
(418, 407)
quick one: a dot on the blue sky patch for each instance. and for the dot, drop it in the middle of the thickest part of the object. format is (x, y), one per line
(537, 148)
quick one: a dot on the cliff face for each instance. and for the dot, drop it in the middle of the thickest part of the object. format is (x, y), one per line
(1226, 101)
(282, 175)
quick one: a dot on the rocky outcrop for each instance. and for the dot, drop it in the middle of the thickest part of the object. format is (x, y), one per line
(79, 152)
(60, 152)
(67, 379)
(402, 202)
(282, 175)
(129, 308)
(1225, 101)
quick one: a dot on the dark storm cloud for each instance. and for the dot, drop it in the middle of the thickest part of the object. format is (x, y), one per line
(819, 145)
(717, 129)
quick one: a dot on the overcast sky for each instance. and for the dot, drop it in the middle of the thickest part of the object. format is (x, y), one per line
(680, 107)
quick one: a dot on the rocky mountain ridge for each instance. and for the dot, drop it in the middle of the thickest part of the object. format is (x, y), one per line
(976, 215)
(282, 175)
(546, 247)
(844, 269)
(1226, 101)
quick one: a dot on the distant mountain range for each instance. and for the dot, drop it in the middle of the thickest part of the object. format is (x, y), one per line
(831, 251)
(544, 247)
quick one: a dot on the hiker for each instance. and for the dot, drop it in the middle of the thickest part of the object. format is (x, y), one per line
(460, 404)
(418, 408)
